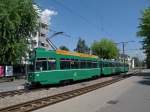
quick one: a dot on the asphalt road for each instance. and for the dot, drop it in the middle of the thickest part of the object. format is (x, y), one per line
(129, 95)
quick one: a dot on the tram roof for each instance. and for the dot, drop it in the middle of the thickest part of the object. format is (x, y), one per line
(43, 52)
(62, 52)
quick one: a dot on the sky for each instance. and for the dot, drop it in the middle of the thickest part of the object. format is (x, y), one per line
(92, 20)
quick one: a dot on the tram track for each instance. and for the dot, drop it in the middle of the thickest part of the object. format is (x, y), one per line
(12, 93)
(43, 102)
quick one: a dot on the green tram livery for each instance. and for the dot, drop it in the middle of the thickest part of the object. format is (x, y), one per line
(53, 67)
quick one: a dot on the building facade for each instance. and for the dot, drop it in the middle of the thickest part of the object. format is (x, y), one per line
(129, 60)
(39, 38)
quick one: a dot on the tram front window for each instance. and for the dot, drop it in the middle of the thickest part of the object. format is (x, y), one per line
(41, 65)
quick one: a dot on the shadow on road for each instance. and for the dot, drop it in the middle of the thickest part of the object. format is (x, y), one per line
(145, 78)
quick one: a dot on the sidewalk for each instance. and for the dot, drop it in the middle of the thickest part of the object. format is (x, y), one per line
(14, 85)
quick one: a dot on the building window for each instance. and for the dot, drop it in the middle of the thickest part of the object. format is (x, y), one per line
(42, 35)
(45, 26)
(42, 44)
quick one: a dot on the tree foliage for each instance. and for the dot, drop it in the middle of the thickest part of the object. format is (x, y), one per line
(18, 19)
(82, 47)
(105, 49)
(144, 32)
(63, 48)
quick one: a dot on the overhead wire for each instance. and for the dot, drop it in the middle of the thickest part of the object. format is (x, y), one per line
(77, 14)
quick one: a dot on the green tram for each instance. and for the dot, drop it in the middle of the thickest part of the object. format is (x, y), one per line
(53, 67)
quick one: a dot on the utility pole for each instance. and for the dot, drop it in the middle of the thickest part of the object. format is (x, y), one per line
(123, 49)
(123, 44)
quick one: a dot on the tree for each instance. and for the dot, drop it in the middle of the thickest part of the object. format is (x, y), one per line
(18, 20)
(105, 49)
(63, 48)
(144, 32)
(82, 47)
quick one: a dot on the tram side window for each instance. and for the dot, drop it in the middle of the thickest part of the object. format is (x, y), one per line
(65, 64)
(83, 64)
(89, 64)
(112, 64)
(120, 65)
(108, 64)
(127, 65)
(94, 64)
(41, 65)
(74, 64)
(117, 65)
(100, 64)
(104, 64)
(51, 64)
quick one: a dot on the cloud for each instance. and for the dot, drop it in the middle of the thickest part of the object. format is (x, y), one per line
(46, 16)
